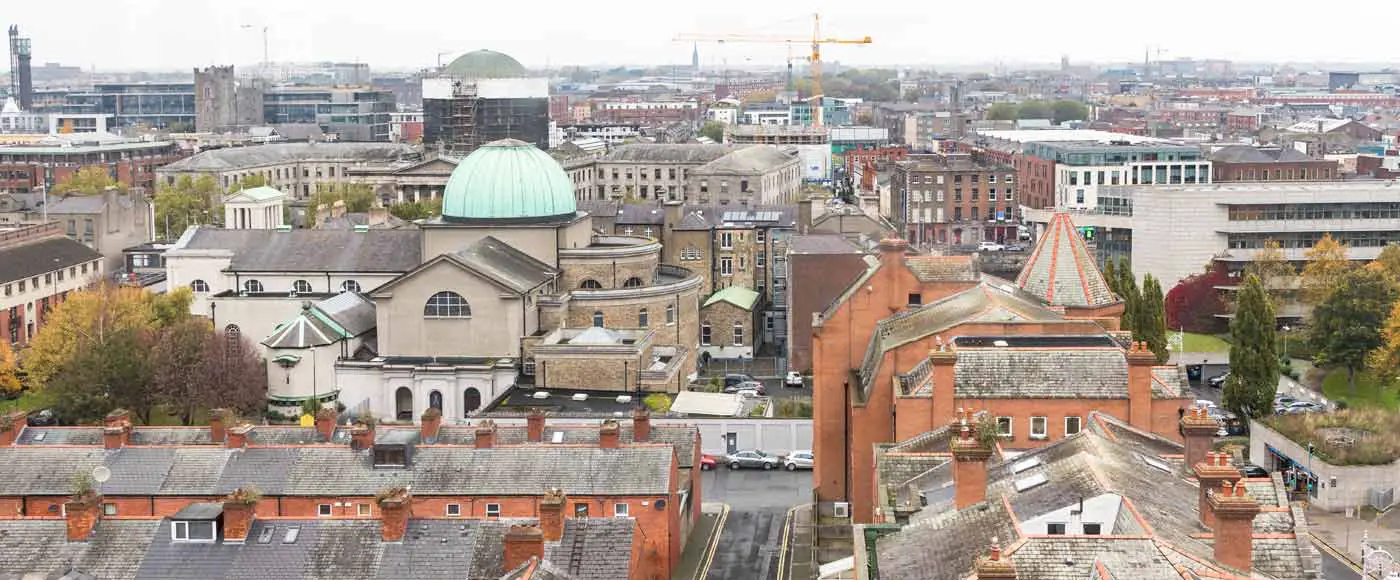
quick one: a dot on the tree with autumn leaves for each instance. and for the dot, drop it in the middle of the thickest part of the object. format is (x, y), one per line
(111, 347)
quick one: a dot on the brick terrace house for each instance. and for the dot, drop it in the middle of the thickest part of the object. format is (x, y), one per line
(917, 337)
(1246, 163)
(334, 477)
(38, 268)
(1112, 501)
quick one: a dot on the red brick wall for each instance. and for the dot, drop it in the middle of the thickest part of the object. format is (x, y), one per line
(1320, 170)
(1035, 182)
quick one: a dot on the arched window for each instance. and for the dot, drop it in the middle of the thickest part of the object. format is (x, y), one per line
(447, 305)
(598, 319)
(471, 401)
(643, 319)
(403, 404)
(633, 282)
(350, 286)
(590, 284)
(252, 286)
(670, 314)
(435, 400)
(301, 287)
(199, 286)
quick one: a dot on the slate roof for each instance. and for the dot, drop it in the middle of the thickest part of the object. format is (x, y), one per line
(682, 437)
(668, 153)
(1108, 457)
(1040, 373)
(304, 250)
(41, 547)
(751, 160)
(1250, 154)
(280, 153)
(352, 219)
(1062, 272)
(504, 264)
(705, 217)
(822, 244)
(34, 258)
(944, 268)
(345, 315)
(592, 549)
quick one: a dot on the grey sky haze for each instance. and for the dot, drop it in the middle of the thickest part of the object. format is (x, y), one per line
(177, 34)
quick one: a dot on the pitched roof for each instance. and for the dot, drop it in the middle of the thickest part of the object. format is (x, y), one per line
(1061, 271)
(1110, 461)
(256, 194)
(1040, 373)
(41, 547)
(822, 244)
(668, 153)
(751, 160)
(279, 153)
(1251, 154)
(35, 258)
(682, 437)
(944, 268)
(345, 315)
(593, 548)
(736, 295)
(504, 264)
(304, 250)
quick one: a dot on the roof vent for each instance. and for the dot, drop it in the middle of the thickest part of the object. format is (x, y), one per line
(1020, 466)
(1156, 464)
(266, 536)
(1026, 483)
(360, 229)
(291, 537)
(540, 395)
(558, 437)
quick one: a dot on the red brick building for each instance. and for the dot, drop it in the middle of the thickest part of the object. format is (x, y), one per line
(39, 266)
(916, 338)
(1246, 163)
(23, 168)
(953, 199)
(457, 472)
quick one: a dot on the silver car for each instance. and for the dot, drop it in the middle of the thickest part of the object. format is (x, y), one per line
(798, 460)
(752, 458)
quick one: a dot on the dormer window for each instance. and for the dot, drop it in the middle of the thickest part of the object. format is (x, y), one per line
(390, 456)
(192, 531)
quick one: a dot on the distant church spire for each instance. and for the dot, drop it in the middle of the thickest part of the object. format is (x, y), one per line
(695, 57)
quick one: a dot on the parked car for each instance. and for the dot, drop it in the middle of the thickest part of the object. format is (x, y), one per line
(798, 460)
(793, 379)
(42, 418)
(748, 393)
(1283, 400)
(734, 379)
(1302, 407)
(746, 386)
(708, 462)
(1252, 470)
(1016, 248)
(752, 458)
(1203, 403)
(990, 247)
(1218, 381)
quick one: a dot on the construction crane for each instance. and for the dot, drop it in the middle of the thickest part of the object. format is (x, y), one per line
(817, 41)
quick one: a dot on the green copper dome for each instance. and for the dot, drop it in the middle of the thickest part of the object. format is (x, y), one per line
(485, 64)
(508, 181)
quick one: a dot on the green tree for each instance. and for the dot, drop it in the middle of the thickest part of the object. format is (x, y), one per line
(249, 182)
(1034, 110)
(1001, 112)
(1385, 360)
(1150, 318)
(358, 198)
(417, 210)
(1250, 388)
(9, 370)
(1065, 110)
(107, 373)
(1110, 276)
(1275, 272)
(89, 180)
(1389, 260)
(1327, 266)
(1128, 291)
(1346, 326)
(714, 130)
(187, 202)
(85, 318)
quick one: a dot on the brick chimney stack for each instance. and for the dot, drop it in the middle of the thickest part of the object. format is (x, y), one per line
(238, 517)
(116, 429)
(608, 434)
(325, 423)
(892, 251)
(641, 424)
(81, 515)
(395, 505)
(522, 544)
(1199, 430)
(969, 464)
(943, 357)
(238, 436)
(1213, 472)
(429, 424)
(362, 436)
(534, 425)
(486, 434)
(1140, 363)
(552, 514)
(216, 425)
(996, 566)
(1234, 526)
(10, 426)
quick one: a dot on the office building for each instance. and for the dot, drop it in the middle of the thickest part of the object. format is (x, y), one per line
(55, 158)
(351, 114)
(160, 105)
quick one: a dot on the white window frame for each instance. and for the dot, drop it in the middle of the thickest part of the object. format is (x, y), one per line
(705, 340)
(180, 532)
(109, 509)
(726, 240)
(453, 510)
(324, 510)
(670, 314)
(743, 263)
(738, 334)
(1044, 428)
(493, 510)
(1010, 427)
(726, 266)
(1078, 425)
(620, 510)
(363, 510)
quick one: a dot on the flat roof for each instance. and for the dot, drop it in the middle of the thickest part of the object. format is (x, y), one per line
(1036, 341)
(1045, 135)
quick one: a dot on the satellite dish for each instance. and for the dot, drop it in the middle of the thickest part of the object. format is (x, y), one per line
(101, 474)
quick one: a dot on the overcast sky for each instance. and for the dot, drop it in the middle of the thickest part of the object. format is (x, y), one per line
(178, 34)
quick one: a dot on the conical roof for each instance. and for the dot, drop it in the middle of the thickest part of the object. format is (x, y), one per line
(1061, 270)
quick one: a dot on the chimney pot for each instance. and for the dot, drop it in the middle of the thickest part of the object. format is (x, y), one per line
(13, 423)
(238, 436)
(238, 519)
(534, 425)
(325, 423)
(395, 507)
(521, 544)
(641, 424)
(361, 436)
(216, 425)
(430, 424)
(608, 434)
(1234, 513)
(552, 514)
(81, 515)
(486, 434)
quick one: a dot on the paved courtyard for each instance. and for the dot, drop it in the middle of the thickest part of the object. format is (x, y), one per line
(751, 540)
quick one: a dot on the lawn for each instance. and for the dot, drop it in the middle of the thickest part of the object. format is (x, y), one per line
(1369, 393)
(33, 401)
(1193, 342)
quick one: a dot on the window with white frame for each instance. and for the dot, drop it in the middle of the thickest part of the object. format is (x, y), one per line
(493, 510)
(1073, 425)
(726, 266)
(252, 286)
(738, 334)
(1040, 428)
(454, 510)
(362, 510)
(192, 531)
(758, 236)
(198, 286)
(301, 287)
(323, 510)
(726, 240)
(743, 263)
(1004, 427)
(705, 335)
(620, 510)
(670, 314)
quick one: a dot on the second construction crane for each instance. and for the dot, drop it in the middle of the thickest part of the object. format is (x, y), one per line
(817, 41)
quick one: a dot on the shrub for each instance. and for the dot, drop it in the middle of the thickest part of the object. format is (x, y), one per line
(758, 410)
(367, 419)
(391, 493)
(248, 495)
(794, 408)
(658, 402)
(83, 485)
(1378, 443)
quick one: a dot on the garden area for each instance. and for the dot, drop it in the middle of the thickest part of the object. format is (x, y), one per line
(1370, 391)
(1196, 342)
(1350, 437)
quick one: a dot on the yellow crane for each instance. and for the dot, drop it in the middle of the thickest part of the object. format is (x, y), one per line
(816, 57)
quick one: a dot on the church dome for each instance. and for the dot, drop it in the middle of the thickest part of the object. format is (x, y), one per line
(508, 181)
(485, 64)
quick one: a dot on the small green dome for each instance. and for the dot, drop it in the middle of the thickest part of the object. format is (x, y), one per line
(485, 64)
(508, 181)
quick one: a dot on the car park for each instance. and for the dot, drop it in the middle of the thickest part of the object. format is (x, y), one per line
(793, 379)
(798, 460)
(734, 379)
(747, 386)
(752, 458)
(1218, 381)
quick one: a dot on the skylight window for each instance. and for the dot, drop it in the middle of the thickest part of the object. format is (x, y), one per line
(1023, 465)
(1026, 483)
(1156, 464)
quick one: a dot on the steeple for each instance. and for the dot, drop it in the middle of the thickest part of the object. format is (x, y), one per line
(1062, 271)
(695, 57)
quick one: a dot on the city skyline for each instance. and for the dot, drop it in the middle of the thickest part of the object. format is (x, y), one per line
(200, 33)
